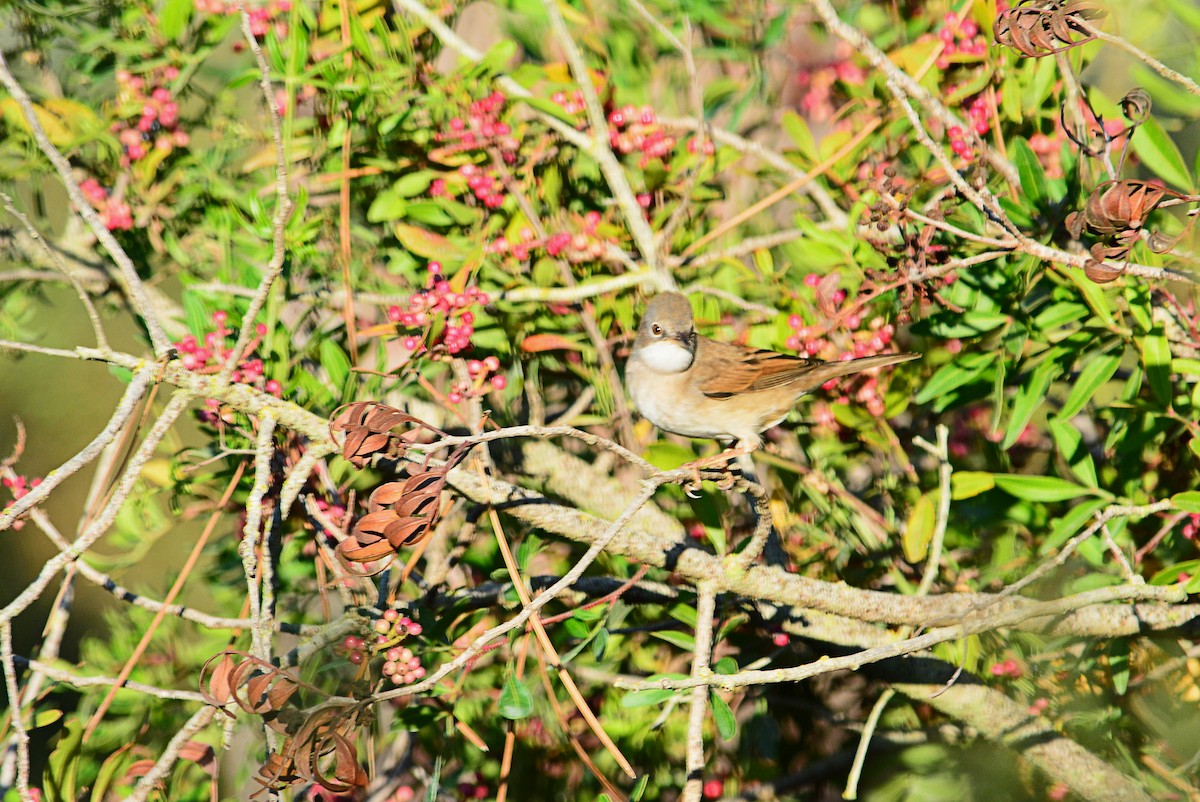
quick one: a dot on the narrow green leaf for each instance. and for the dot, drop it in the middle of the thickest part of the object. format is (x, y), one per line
(173, 18)
(1156, 356)
(1038, 488)
(1118, 664)
(1095, 374)
(650, 696)
(1170, 574)
(919, 529)
(1030, 396)
(515, 699)
(684, 640)
(639, 789)
(336, 363)
(723, 715)
(1070, 445)
(953, 375)
(1029, 170)
(1064, 528)
(1161, 155)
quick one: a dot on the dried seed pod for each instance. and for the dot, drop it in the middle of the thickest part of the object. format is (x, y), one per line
(1037, 28)
(1136, 105)
(1101, 273)
(368, 427)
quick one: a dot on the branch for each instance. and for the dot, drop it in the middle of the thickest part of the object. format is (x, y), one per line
(701, 653)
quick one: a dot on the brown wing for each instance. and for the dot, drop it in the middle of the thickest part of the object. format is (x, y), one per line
(746, 370)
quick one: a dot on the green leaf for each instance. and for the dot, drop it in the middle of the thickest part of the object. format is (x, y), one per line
(967, 325)
(639, 789)
(919, 530)
(1170, 574)
(1070, 446)
(1187, 501)
(1029, 398)
(684, 640)
(650, 696)
(407, 186)
(1118, 664)
(796, 127)
(1033, 180)
(953, 375)
(726, 665)
(1161, 155)
(387, 206)
(723, 715)
(515, 699)
(1038, 488)
(336, 363)
(428, 244)
(1095, 374)
(60, 775)
(967, 484)
(599, 644)
(1156, 356)
(173, 19)
(1065, 527)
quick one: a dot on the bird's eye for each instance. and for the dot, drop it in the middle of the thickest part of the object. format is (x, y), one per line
(656, 330)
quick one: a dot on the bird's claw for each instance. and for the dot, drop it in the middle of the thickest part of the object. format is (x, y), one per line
(692, 488)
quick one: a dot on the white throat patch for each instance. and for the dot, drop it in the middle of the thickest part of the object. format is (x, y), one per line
(667, 356)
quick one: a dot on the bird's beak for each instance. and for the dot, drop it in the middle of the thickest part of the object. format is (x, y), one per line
(686, 338)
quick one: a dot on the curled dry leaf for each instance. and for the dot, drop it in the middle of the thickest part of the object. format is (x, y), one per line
(368, 428)
(320, 751)
(1037, 28)
(252, 684)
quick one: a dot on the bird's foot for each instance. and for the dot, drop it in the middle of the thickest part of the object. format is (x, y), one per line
(692, 488)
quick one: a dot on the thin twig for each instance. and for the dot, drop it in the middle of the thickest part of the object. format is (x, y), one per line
(131, 283)
(283, 208)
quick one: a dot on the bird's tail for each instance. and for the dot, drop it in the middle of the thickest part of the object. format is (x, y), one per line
(831, 370)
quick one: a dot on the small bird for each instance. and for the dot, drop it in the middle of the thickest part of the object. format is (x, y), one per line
(685, 383)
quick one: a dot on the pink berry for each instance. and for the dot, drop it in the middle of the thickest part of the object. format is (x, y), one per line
(499, 382)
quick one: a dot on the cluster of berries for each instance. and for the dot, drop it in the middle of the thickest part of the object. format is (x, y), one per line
(484, 377)
(1007, 668)
(482, 128)
(439, 301)
(867, 338)
(584, 244)
(815, 84)
(1189, 529)
(400, 665)
(960, 38)
(262, 18)
(487, 188)
(151, 115)
(210, 353)
(632, 129)
(19, 485)
(572, 103)
(114, 211)
(979, 117)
